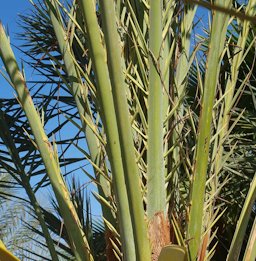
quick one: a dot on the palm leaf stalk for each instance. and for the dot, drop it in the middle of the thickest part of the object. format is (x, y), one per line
(229, 99)
(156, 192)
(156, 180)
(79, 243)
(79, 93)
(183, 66)
(242, 223)
(216, 46)
(168, 48)
(223, 127)
(250, 251)
(116, 74)
(184, 62)
(184, 59)
(6, 136)
(108, 112)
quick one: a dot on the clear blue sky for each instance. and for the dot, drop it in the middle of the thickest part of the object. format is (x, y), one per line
(9, 13)
(9, 16)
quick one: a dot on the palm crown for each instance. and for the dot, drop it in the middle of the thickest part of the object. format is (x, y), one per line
(168, 125)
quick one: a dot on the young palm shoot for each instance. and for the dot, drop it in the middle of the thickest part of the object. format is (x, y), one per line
(218, 35)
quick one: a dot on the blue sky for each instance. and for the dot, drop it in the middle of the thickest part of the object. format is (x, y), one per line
(9, 11)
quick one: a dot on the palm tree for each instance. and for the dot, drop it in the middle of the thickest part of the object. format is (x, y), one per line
(168, 134)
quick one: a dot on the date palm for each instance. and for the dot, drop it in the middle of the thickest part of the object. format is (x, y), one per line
(166, 132)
